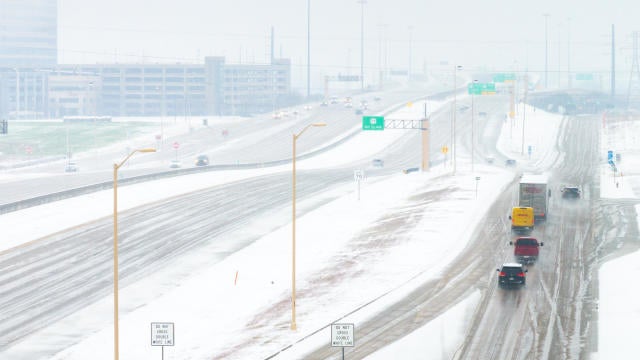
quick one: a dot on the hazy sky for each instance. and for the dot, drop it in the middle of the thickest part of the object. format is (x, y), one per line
(496, 34)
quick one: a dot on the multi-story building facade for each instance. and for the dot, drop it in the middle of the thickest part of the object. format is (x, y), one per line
(28, 33)
(34, 85)
(212, 88)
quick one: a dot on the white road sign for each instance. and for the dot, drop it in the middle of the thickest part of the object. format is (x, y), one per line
(342, 335)
(162, 334)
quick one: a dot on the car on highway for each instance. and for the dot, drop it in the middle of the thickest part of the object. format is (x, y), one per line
(175, 164)
(71, 167)
(511, 274)
(359, 111)
(570, 192)
(202, 160)
(526, 249)
(510, 162)
(377, 163)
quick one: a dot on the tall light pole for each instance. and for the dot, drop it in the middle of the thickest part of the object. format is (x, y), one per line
(473, 111)
(455, 110)
(17, 92)
(569, 53)
(410, 51)
(308, 48)
(546, 51)
(116, 349)
(362, 2)
(294, 326)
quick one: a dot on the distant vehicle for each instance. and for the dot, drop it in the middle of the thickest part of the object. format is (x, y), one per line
(359, 111)
(463, 108)
(308, 107)
(534, 192)
(348, 105)
(324, 103)
(522, 219)
(526, 249)
(377, 98)
(334, 100)
(490, 159)
(511, 274)
(276, 115)
(570, 192)
(482, 114)
(410, 170)
(202, 160)
(510, 162)
(377, 162)
(71, 167)
(174, 164)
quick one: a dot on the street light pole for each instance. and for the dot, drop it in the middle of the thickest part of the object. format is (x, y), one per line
(472, 126)
(116, 350)
(546, 52)
(308, 48)
(294, 326)
(362, 2)
(455, 110)
(17, 92)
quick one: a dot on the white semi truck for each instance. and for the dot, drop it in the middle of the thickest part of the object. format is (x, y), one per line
(534, 192)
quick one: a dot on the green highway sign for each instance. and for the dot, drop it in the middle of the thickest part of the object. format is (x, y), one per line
(373, 123)
(503, 77)
(481, 88)
(584, 76)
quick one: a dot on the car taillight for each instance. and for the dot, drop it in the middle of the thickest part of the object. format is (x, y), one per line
(521, 274)
(502, 273)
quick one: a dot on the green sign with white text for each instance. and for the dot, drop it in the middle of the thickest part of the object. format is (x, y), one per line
(504, 77)
(373, 123)
(481, 88)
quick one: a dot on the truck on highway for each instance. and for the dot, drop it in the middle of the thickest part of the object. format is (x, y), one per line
(526, 249)
(534, 192)
(522, 219)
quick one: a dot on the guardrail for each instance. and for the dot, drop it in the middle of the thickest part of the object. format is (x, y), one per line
(66, 194)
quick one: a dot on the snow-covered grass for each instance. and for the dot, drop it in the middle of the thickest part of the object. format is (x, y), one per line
(240, 306)
(618, 305)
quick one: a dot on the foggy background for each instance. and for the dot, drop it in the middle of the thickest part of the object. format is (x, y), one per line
(496, 35)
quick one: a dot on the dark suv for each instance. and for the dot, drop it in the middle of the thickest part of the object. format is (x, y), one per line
(570, 192)
(202, 160)
(511, 274)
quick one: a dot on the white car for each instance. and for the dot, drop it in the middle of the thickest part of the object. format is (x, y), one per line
(175, 164)
(71, 167)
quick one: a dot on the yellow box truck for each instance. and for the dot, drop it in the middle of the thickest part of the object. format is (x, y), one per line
(522, 219)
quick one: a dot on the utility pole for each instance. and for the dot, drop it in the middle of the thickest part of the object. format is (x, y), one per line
(569, 84)
(308, 48)
(613, 63)
(633, 94)
(362, 2)
(546, 51)
(410, 51)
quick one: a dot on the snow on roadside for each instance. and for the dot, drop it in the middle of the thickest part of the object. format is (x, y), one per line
(618, 306)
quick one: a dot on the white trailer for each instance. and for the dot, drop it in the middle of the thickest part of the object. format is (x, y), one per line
(534, 192)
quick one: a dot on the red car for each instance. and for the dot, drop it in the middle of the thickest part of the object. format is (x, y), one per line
(526, 249)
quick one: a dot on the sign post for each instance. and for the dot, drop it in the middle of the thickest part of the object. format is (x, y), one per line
(358, 176)
(341, 336)
(176, 145)
(444, 149)
(162, 335)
